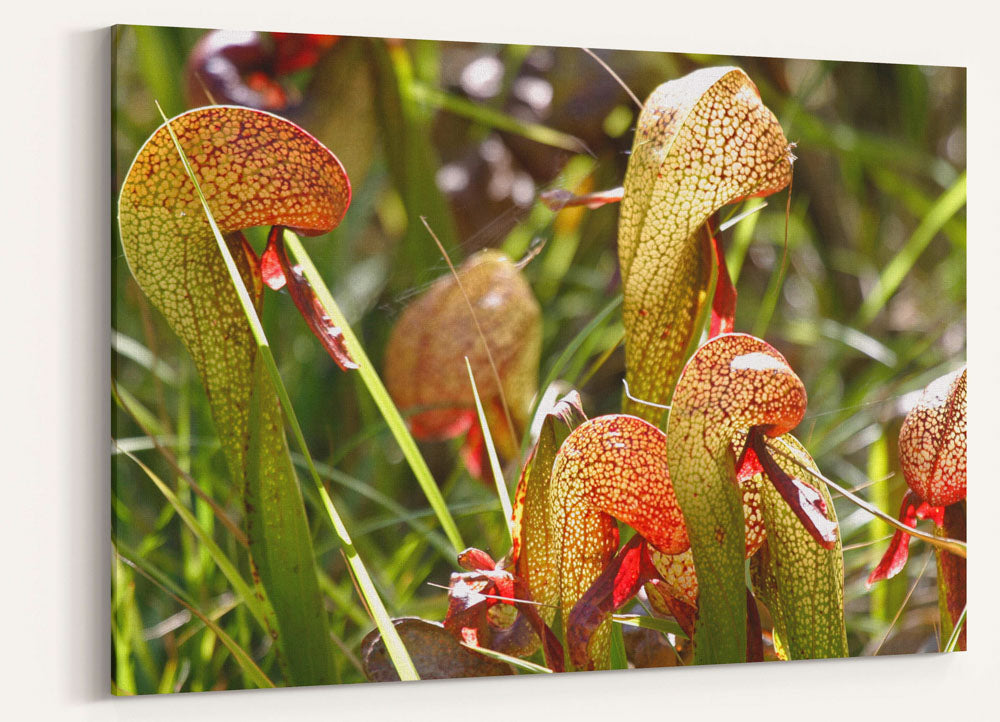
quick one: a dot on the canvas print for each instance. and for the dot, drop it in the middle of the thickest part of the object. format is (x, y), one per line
(448, 359)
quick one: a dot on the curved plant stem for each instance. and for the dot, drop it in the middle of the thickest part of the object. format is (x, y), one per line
(613, 74)
(902, 606)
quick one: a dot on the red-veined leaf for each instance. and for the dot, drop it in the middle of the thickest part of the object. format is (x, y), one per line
(425, 358)
(702, 141)
(732, 383)
(254, 169)
(932, 442)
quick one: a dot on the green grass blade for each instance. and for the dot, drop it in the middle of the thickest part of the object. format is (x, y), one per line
(513, 661)
(944, 208)
(567, 355)
(740, 244)
(887, 595)
(952, 643)
(239, 654)
(260, 609)
(129, 348)
(491, 451)
(666, 626)
(124, 628)
(159, 53)
(619, 659)
(400, 514)
(379, 395)
(495, 119)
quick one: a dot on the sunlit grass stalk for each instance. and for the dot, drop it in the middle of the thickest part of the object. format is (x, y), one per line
(513, 661)
(952, 642)
(619, 657)
(379, 394)
(394, 645)
(126, 402)
(574, 345)
(399, 514)
(239, 654)
(665, 626)
(491, 451)
(495, 119)
(899, 612)
(599, 362)
(944, 208)
(260, 609)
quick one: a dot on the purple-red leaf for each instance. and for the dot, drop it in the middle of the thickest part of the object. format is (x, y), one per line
(306, 300)
(894, 559)
(621, 580)
(804, 500)
(473, 594)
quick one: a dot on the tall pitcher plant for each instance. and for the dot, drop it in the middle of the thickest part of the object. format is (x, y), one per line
(198, 182)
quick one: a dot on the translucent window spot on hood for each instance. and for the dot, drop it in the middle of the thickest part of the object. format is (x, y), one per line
(756, 361)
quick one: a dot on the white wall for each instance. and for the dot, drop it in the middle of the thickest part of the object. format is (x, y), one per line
(54, 640)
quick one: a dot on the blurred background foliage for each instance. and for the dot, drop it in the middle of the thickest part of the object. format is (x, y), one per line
(867, 300)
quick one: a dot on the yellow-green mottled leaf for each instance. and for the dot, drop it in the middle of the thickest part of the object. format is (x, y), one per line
(801, 583)
(732, 383)
(610, 468)
(533, 553)
(253, 169)
(280, 542)
(702, 141)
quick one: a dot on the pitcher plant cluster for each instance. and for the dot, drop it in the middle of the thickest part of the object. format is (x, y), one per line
(696, 503)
